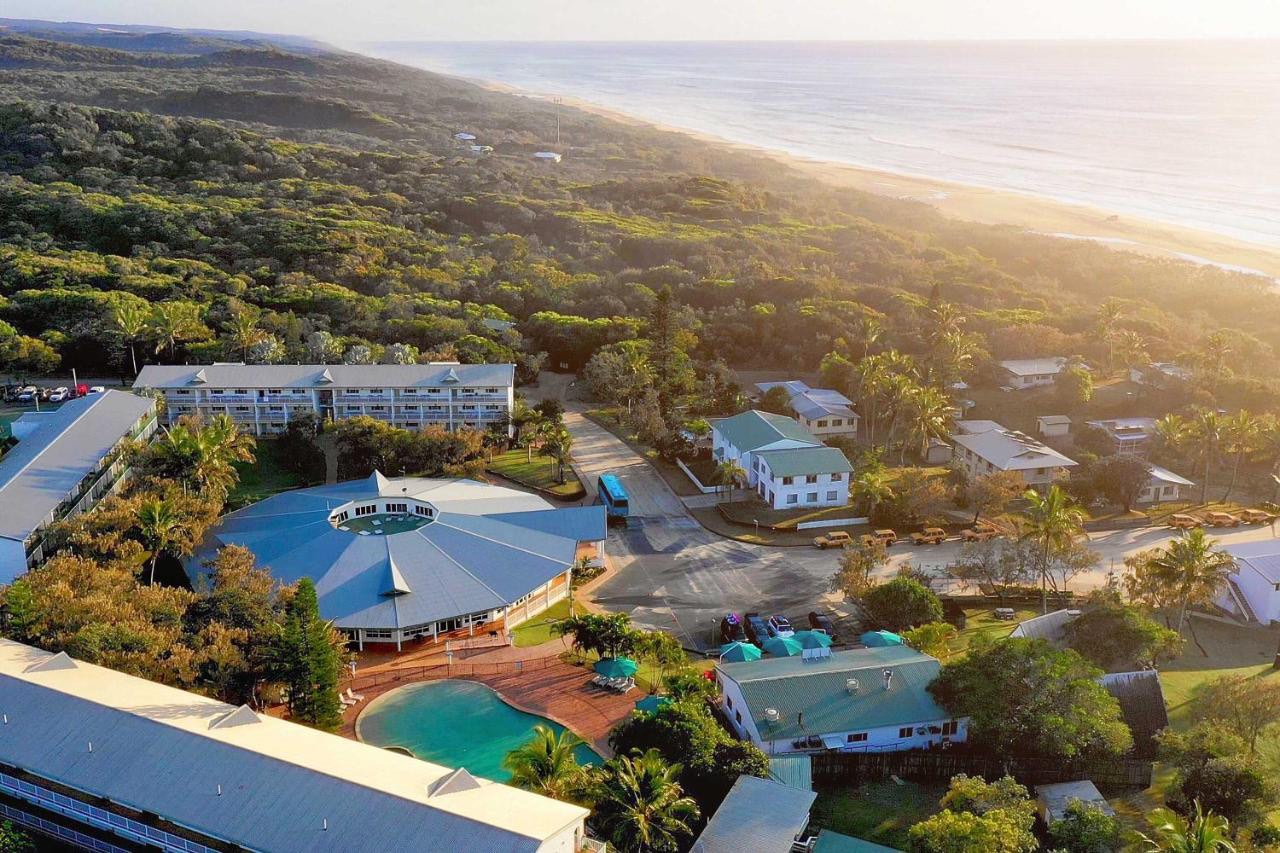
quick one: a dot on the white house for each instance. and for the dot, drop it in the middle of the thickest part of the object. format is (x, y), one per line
(1052, 426)
(1164, 486)
(1030, 372)
(786, 465)
(822, 411)
(985, 447)
(1253, 593)
(1129, 436)
(859, 700)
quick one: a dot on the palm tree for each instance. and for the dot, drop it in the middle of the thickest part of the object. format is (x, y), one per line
(869, 332)
(1205, 433)
(929, 418)
(158, 522)
(1195, 567)
(219, 445)
(557, 442)
(1201, 832)
(547, 764)
(1131, 346)
(872, 487)
(243, 331)
(729, 473)
(130, 320)
(1240, 434)
(640, 805)
(172, 323)
(1053, 520)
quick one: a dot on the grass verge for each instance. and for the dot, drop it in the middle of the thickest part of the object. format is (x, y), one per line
(880, 812)
(265, 476)
(536, 473)
(538, 630)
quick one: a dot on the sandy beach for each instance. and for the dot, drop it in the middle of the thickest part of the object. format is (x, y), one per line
(998, 207)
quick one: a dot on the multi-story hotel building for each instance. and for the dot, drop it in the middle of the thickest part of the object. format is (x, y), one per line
(263, 398)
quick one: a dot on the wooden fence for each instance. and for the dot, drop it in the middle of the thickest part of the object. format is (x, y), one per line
(853, 768)
(411, 674)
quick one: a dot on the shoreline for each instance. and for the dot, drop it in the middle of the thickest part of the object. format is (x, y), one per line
(986, 205)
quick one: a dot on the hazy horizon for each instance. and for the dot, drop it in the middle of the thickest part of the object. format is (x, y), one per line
(678, 20)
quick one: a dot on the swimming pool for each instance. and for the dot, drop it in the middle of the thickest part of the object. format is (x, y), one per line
(454, 723)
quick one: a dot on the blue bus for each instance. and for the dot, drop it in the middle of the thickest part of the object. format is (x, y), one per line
(612, 495)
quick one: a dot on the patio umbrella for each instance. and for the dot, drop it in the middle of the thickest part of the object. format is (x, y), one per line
(738, 652)
(812, 639)
(782, 647)
(616, 667)
(650, 704)
(880, 638)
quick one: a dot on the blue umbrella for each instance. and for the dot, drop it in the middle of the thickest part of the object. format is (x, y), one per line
(782, 647)
(616, 667)
(739, 652)
(881, 638)
(649, 704)
(812, 639)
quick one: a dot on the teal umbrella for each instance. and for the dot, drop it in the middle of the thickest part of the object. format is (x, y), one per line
(616, 667)
(812, 639)
(782, 647)
(649, 704)
(738, 652)
(881, 638)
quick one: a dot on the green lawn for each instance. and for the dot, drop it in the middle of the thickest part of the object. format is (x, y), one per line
(538, 473)
(537, 630)
(265, 477)
(982, 621)
(881, 812)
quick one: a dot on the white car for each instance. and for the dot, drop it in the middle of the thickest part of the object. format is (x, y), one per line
(57, 395)
(97, 389)
(780, 626)
(28, 394)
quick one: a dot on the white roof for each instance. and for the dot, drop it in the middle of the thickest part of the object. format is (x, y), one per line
(1034, 366)
(162, 750)
(1263, 557)
(436, 374)
(1164, 475)
(1053, 420)
(1009, 450)
(976, 426)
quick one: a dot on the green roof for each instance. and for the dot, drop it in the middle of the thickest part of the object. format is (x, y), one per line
(753, 429)
(834, 842)
(818, 688)
(799, 461)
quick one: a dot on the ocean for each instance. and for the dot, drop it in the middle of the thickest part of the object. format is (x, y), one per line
(1180, 132)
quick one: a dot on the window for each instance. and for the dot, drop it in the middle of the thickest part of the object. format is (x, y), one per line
(340, 517)
(811, 497)
(397, 507)
(737, 715)
(811, 478)
(950, 727)
(837, 422)
(299, 391)
(423, 510)
(833, 496)
(491, 390)
(217, 391)
(183, 391)
(821, 424)
(786, 481)
(242, 391)
(857, 737)
(792, 499)
(353, 390)
(408, 390)
(375, 390)
(728, 701)
(906, 731)
(275, 391)
(367, 509)
(836, 478)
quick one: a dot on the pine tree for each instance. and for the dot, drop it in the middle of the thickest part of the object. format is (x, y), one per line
(309, 662)
(663, 351)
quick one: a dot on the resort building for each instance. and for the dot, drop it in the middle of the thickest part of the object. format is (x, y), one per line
(859, 700)
(1253, 590)
(104, 761)
(263, 398)
(786, 465)
(411, 559)
(1127, 436)
(820, 410)
(64, 462)
(985, 447)
(1030, 372)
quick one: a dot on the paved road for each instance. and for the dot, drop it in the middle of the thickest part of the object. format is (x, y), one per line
(675, 575)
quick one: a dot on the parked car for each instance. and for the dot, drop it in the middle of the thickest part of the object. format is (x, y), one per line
(1006, 614)
(44, 394)
(1255, 516)
(1182, 521)
(822, 622)
(57, 395)
(1222, 519)
(980, 532)
(834, 539)
(97, 389)
(29, 394)
(780, 626)
(731, 630)
(928, 536)
(757, 631)
(884, 537)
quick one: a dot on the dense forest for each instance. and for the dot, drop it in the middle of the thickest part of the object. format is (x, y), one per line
(197, 199)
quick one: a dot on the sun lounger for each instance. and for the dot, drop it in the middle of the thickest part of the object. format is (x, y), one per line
(352, 696)
(627, 686)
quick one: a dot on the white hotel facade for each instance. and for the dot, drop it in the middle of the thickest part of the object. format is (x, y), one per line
(263, 398)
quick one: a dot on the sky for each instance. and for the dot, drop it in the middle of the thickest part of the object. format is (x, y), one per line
(349, 23)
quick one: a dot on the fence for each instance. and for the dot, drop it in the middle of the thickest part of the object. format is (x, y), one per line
(852, 768)
(697, 484)
(410, 674)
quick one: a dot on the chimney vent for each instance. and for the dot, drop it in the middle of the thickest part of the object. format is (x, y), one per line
(888, 679)
(851, 684)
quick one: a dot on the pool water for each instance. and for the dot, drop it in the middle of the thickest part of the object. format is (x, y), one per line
(454, 723)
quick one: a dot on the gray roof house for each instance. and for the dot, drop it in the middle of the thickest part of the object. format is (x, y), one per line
(1254, 592)
(820, 410)
(412, 558)
(859, 700)
(65, 461)
(787, 466)
(149, 766)
(758, 816)
(1030, 372)
(985, 447)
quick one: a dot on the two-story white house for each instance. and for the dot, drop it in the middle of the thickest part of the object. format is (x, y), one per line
(1128, 436)
(1253, 593)
(985, 447)
(1030, 372)
(786, 465)
(822, 411)
(263, 398)
(859, 700)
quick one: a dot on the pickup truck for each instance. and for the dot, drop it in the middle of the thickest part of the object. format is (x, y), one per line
(980, 532)
(928, 536)
(834, 539)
